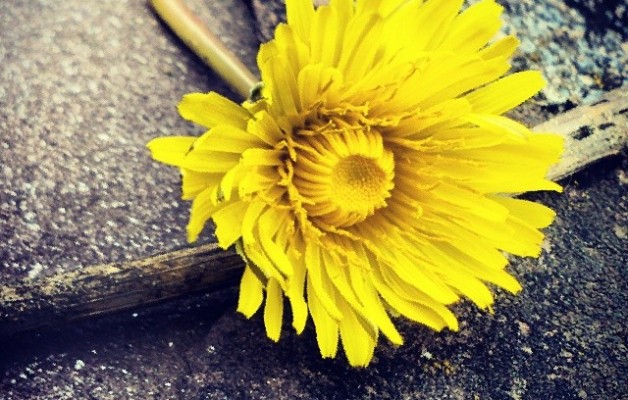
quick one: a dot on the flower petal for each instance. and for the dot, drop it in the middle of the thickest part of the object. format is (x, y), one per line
(228, 222)
(171, 150)
(194, 182)
(537, 215)
(251, 295)
(327, 334)
(506, 93)
(474, 27)
(300, 14)
(273, 311)
(317, 277)
(202, 209)
(212, 109)
(295, 291)
(227, 139)
(357, 336)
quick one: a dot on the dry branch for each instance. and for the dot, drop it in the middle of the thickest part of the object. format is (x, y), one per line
(103, 289)
(591, 132)
(197, 36)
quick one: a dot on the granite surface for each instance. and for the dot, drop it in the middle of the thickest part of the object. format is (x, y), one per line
(85, 84)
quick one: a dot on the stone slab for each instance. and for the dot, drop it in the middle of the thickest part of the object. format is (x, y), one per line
(85, 84)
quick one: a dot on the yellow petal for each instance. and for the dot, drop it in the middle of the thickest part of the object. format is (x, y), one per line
(503, 48)
(171, 150)
(432, 120)
(479, 250)
(412, 272)
(252, 242)
(471, 288)
(433, 22)
(326, 327)
(360, 46)
(319, 279)
(212, 109)
(415, 311)
(202, 209)
(498, 125)
(228, 221)
(300, 14)
(482, 271)
(406, 299)
(466, 199)
(455, 76)
(316, 82)
(282, 83)
(326, 37)
(296, 288)
(537, 215)
(526, 240)
(367, 295)
(506, 93)
(257, 181)
(468, 285)
(474, 27)
(494, 177)
(195, 182)
(296, 52)
(345, 9)
(230, 181)
(358, 338)
(273, 311)
(250, 218)
(269, 223)
(262, 157)
(265, 127)
(227, 139)
(251, 295)
(209, 161)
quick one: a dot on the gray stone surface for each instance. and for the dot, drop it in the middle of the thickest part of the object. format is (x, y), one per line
(579, 58)
(85, 84)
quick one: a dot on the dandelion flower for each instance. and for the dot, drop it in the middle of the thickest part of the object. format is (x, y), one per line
(373, 176)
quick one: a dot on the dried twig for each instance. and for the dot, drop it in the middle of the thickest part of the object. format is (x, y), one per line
(591, 132)
(103, 289)
(191, 30)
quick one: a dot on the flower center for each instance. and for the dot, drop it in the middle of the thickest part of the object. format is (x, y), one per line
(343, 176)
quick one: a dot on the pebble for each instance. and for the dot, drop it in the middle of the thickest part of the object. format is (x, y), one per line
(79, 365)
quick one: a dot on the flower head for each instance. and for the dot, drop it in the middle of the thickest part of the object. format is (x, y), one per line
(372, 177)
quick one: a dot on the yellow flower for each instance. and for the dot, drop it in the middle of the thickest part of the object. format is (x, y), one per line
(373, 176)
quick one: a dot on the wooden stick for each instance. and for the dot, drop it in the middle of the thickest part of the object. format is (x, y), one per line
(591, 132)
(193, 32)
(104, 289)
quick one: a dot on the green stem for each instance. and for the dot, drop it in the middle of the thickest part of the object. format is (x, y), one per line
(191, 30)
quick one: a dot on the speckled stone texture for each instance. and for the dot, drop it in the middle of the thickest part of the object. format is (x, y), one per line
(84, 86)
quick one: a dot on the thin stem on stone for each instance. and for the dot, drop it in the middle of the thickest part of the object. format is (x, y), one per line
(193, 32)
